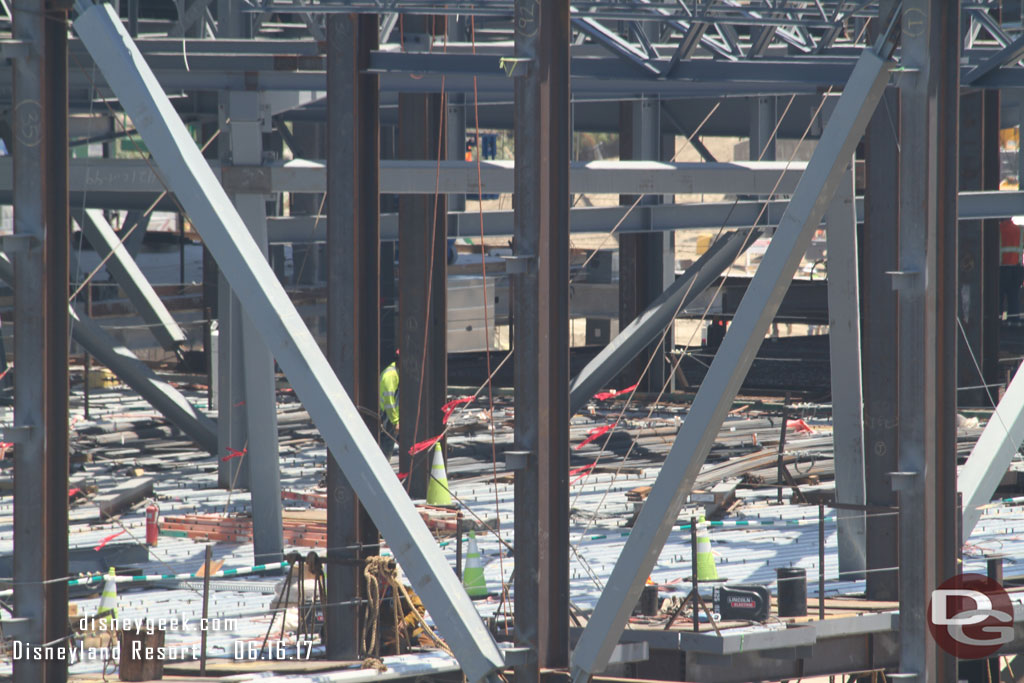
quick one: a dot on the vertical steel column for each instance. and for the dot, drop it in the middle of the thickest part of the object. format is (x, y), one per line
(455, 121)
(927, 308)
(541, 306)
(978, 252)
(646, 260)
(844, 346)
(422, 278)
(232, 412)
(260, 449)
(763, 118)
(309, 137)
(353, 294)
(880, 341)
(40, 250)
(232, 436)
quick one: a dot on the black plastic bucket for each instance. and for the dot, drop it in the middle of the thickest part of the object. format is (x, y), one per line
(792, 591)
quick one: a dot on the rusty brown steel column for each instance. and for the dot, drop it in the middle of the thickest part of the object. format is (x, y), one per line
(978, 254)
(40, 252)
(422, 275)
(541, 310)
(926, 280)
(353, 295)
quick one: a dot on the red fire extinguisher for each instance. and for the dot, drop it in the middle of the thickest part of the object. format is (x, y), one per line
(152, 524)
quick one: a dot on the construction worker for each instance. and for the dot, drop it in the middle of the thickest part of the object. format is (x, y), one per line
(1011, 266)
(389, 395)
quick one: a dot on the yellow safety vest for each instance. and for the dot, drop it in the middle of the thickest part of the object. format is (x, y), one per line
(389, 393)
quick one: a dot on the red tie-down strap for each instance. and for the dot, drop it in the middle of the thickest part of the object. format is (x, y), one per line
(108, 539)
(424, 445)
(448, 408)
(233, 453)
(593, 434)
(581, 471)
(611, 393)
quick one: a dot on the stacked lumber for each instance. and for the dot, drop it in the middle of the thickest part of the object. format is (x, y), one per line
(307, 528)
(238, 529)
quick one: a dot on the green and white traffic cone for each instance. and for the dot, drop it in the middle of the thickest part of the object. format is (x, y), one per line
(108, 599)
(473, 573)
(706, 570)
(437, 488)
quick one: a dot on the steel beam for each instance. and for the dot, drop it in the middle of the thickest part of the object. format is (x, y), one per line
(422, 293)
(136, 374)
(131, 279)
(845, 364)
(926, 281)
(453, 177)
(232, 408)
(232, 423)
(353, 295)
(137, 222)
(245, 135)
(763, 117)
(978, 254)
(648, 326)
(880, 342)
(541, 318)
(284, 332)
(39, 144)
(813, 195)
(647, 260)
(992, 454)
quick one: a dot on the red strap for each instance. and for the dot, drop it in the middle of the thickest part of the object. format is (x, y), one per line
(108, 539)
(611, 393)
(73, 492)
(449, 407)
(581, 471)
(594, 433)
(424, 445)
(4, 373)
(232, 453)
(799, 425)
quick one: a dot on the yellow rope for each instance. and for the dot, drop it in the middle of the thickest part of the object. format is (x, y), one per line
(371, 646)
(382, 570)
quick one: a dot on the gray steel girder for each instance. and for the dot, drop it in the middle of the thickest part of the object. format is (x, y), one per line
(131, 279)
(133, 372)
(640, 333)
(810, 201)
(289, 340)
